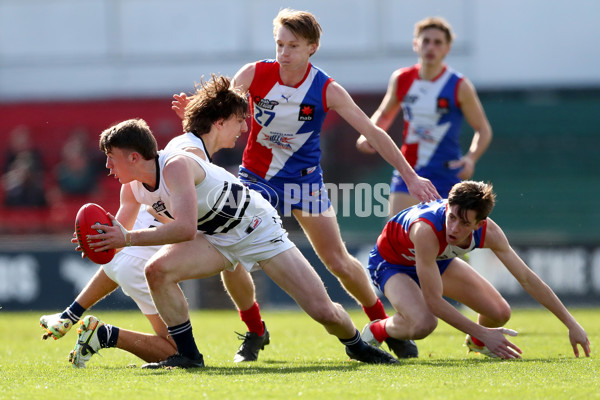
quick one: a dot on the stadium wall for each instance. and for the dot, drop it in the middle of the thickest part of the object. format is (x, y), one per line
(131, 48)
(50, 275)
(542, 163)
(89, 64)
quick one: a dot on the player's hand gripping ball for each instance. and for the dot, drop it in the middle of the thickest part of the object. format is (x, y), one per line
(91, 214)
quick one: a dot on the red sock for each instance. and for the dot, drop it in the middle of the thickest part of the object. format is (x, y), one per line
(477, 341)
(376, 311)
(251, 317)
(378, 329)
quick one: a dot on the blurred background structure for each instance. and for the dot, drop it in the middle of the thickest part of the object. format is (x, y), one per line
(69, 69)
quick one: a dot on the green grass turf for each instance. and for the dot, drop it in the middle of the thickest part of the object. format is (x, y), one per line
(302, 361)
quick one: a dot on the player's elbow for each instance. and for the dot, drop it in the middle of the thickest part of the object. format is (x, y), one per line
(189, 234)
(186, 232)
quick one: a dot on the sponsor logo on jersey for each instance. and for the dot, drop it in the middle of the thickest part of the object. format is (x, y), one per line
(424, 134)
(307, 112)
(410, 98)
(443, 105)
(265, 104)
(161, 208)
(278, 139)
(277, 239)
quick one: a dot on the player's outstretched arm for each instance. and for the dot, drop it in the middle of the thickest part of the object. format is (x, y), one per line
(426, 250)
(533, 284)
(340, 101)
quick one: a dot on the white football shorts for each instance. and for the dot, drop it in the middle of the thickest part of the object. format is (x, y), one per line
(266, 239)
(127, 269)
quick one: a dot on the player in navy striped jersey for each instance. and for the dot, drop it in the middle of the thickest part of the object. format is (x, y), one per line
(289, 99)
(127, 268)
(213, 218)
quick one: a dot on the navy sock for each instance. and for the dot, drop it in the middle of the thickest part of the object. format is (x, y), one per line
(108, 336)
(184, 339)
(355, 343)
(73, 312)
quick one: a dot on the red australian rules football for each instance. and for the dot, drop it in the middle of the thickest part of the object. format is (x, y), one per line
(90, 214)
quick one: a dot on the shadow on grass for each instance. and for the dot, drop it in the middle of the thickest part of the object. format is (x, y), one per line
(487, 360)
(278, 368)
(284, 368)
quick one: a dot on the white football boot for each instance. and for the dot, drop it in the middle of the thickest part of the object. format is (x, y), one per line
(87, 342)
(55, 326)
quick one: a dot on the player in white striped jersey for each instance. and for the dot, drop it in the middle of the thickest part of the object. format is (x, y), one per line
(214, 218)
(127, 270)
(290, 98)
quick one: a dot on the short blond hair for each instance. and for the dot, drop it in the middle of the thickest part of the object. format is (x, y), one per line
(301, 23)
(437, 23)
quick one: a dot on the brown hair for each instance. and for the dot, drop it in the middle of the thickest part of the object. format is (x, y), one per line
(212, 101)
(471, 195)
(132, 134)
(301, 23)
(437, 23)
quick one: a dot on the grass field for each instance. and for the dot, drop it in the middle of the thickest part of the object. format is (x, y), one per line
(302, 361)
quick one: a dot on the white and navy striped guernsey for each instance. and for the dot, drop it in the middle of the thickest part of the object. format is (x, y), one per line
(226, 208)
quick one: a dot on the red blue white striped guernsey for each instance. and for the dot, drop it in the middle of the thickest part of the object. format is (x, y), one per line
(394, 243)
(284, 140)
(432, 118)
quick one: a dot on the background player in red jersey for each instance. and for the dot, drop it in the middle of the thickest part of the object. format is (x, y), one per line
(434, 100)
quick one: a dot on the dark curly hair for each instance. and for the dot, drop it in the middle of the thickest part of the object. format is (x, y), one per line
(212, 101)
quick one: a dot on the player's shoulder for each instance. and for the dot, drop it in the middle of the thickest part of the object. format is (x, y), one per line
(264, 65)
(410, 72)
(175, 156)
(492, 229)
(432, 213)
(319, 70)
(422, 231)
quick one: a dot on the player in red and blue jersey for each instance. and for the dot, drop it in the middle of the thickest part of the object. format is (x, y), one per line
(289, 98)
(283, 154)
(416, 262)
(434, 100)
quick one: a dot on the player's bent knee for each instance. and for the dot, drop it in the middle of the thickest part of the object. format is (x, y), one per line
(155, 274)
(503, 314)
(424, 326)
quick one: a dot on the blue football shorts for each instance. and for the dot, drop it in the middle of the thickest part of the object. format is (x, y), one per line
(443, 182)
(380, 270)
(307, 193)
